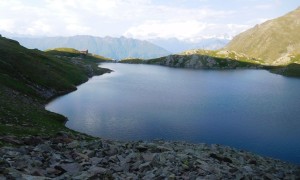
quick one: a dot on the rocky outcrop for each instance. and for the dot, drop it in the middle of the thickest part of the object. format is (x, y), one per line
(207, 59)
(196, 61)
(68, 156)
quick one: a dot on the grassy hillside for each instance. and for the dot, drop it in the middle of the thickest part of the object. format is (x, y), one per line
(71, 52)
(30, 78)
(274, 41)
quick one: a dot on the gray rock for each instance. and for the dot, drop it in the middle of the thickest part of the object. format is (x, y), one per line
(52, 172)
(120, 158)
(163, 148)
(14, 174)
(105, 159)
(172, 176)
(145, 166)
(80, 156)
(130, 157)
(37, 172)
(73, 144)
(135, 166)
(83, 175)
(97, 170)
(34, 141)
(95, 160)
(148, 156)
(149, 175)
(141, 148)
(248, 169)
(71, 168)
(43, 148)
(89, 153)
(20, 164)
(117, 168)
(12, 153)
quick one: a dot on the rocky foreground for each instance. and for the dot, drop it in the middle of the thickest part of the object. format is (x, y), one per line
(68, 156)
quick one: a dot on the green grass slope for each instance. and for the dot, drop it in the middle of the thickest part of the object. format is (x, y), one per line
(29, 79)
(274, 41)
(71, 52)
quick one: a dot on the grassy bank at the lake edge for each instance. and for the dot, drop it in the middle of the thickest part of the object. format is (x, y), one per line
(31, 78)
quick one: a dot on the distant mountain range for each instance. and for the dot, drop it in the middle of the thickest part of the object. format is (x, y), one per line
(175, 45)
(276, 41)
(119, 48)
(115, 48)
(273, 45)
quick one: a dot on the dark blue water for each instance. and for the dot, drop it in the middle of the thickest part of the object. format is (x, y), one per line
(247, 109)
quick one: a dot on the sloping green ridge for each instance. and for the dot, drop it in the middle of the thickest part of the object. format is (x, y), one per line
(71, 52)
(30, 78)
(271, 40)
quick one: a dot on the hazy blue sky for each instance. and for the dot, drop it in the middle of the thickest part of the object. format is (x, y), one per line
(144, 19)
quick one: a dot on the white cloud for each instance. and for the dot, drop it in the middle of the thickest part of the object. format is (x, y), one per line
(38, 27)
(264, 6)
(134, 18)
(77, 28)
(7, 24)
(71, 17)
(154, 29)
(191, 30)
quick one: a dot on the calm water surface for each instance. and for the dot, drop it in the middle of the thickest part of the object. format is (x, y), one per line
(247, 109)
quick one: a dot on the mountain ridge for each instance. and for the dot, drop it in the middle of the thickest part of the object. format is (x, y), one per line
(274, 41)
(115, 48)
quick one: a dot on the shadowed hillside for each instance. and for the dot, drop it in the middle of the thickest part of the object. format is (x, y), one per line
(29, 78)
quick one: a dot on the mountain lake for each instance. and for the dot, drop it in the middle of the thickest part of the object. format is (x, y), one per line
(253, 110)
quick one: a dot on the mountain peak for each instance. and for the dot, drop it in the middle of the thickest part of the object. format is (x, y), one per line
(274, 41)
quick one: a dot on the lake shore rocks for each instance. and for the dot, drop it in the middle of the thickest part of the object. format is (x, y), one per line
(68, 156)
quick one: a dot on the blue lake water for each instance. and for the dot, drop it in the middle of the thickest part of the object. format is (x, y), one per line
(252, 110)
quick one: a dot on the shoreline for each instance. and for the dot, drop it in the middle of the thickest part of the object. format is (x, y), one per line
(68, 155)
(109, 71)
(59, 94)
